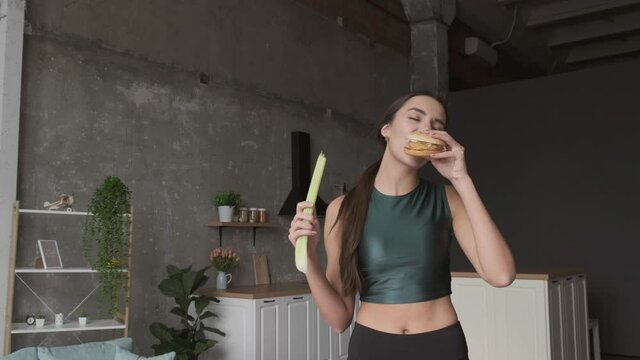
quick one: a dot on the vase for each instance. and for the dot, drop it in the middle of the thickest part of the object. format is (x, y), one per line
(225, 213)
(222, 279)
(82, 320)
(59, 319)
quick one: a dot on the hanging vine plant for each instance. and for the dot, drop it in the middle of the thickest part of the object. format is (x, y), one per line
(105, 239)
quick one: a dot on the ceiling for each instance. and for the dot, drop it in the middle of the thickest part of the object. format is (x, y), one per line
(532, 37)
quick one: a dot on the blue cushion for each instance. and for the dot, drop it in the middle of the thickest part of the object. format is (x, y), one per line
(29, 353)
(105, 350)
(122, 354)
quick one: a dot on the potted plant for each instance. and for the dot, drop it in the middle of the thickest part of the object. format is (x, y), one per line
(82, 319)
(226, 203)
(40, 319)
(107, 232)
(223, 260)
(189, 341)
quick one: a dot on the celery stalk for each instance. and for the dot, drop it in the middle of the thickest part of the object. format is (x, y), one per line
(301, 243)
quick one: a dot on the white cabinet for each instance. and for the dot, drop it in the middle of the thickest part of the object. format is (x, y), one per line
(330, 344)
(533, 319)
(279, 328)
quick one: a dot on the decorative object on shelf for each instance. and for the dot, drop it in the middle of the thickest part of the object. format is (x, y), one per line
(59, 319)
(64, 202)
(40, 320)
(244, 215)
(222, 279)
(223, 260)
(82, 319)
(190, 341)
(108, 231)
(261, 269)
(37, 262)
(50, 254)
(226, 203)
(30, 319)
(262, 215)
(253, 215)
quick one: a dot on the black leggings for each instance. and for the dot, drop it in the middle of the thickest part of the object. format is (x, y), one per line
(447, 343)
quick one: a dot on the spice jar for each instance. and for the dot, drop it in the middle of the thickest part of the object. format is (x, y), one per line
(244, 215)
(262, 215)
(253, 215)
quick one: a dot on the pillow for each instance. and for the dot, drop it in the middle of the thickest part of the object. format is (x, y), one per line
(122, 354)
(104, 350)
(29, 353)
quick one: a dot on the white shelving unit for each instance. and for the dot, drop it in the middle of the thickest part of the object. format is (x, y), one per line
(106, 324)
(11, 328)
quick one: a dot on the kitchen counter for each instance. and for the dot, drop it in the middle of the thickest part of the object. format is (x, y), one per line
(529, 274)
(297, 288)
(259, 291)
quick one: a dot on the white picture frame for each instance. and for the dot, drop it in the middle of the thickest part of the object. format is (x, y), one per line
(50, 254)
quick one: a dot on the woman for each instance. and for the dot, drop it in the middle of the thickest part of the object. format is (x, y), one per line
(388, 240)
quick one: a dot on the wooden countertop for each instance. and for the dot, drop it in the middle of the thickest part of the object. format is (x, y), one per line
(529, 274)
(259, 291)
(297, 288)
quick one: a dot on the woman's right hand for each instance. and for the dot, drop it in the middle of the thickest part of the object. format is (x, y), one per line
(305, 224)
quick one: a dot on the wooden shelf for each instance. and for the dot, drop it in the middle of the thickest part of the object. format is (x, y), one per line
(108, 324)
(254, 226)
(31, 270)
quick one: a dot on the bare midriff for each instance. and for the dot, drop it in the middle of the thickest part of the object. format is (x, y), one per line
(412, 318)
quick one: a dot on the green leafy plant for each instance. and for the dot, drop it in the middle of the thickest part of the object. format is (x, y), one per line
(189, 341)
(228, 198)
(107, 230)
(83, 313)
(40, 316)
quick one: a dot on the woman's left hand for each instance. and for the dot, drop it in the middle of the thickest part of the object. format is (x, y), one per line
(451, 163)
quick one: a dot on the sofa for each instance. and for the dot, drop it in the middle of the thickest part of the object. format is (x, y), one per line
(117, 349)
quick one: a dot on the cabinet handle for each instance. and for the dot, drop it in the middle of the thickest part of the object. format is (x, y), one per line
(268, 301)
(298, 297)
(554, 281)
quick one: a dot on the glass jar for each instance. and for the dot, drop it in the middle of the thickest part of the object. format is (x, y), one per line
(262, 215)
(244, 215)
(253, 215)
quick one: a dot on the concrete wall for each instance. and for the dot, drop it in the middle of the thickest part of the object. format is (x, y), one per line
(555, 160)
(111, 88)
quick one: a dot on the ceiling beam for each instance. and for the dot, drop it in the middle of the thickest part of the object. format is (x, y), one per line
(493, 22)
(574, 33)
(548, 13)
(603, 49)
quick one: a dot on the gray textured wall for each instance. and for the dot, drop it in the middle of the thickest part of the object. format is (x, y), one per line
(111, 88)
(555, 160)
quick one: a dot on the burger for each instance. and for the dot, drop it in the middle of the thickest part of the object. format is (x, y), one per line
(423, 145)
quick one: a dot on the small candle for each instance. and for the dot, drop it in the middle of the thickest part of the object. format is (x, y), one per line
(301, 243)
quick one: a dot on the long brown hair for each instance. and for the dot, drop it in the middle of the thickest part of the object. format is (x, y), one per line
(353, 211)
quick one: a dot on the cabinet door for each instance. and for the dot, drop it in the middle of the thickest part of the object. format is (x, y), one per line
(520, 320)
(298, 322)
(569, 325)
(330, 344)
(235, 319)
(268, 328)
(472, 300)
(556, 323)
(581, 317)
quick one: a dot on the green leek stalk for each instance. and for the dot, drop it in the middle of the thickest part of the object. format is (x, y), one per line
(301, 243)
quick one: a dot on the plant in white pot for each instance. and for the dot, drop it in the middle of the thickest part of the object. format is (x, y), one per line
(226, 203)
(82, 319)
(40, 320)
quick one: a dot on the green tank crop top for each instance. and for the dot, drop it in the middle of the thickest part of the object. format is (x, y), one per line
(404, 250)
